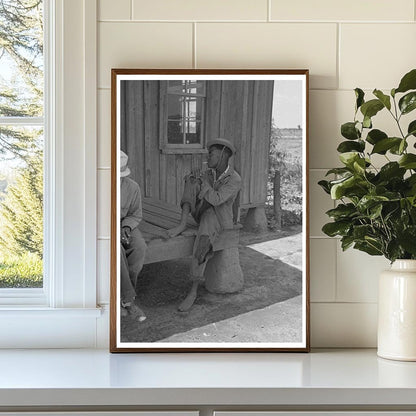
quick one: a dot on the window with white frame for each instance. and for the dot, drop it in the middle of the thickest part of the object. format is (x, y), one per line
(22, 141)
(183, 108)
(62, 313)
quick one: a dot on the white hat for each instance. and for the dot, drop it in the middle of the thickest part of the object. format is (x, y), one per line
(124, 169)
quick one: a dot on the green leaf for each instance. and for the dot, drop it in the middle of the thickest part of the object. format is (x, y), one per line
(338, 171)
(408, 82)
(393, 92)
(393, 250)
(349, 131)
(371, 108)
(407, 240)
(383, 145)
(361, 231)
(325, 186)
(359, 165)
(369, 201)
(402, 147)
(368, 248)
(367, 122)
(398, 149)
(346, 242)
(385, 99)
(336, 228)
(338, 189)
(408, 102)
(375, 212)
(359, 94)
(411, 180)
(411, 130)
(354, 161)
(408, 161)
(348, 158)
(375, 136)
(342, 211)
(349, 146)
(391, 170)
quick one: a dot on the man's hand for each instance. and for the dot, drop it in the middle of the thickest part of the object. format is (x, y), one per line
(206, 177)
(196, 173)
(125, 235)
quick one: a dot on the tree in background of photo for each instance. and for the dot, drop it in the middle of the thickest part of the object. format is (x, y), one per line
(285, 160)
(21, 144)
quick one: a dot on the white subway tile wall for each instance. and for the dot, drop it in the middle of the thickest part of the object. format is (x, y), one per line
(355, 10)
(339, 325)
(104, 128)
(328, 110)
(103, 269)
(345, 44)
(114, 10)
(270, 45)
(104, 203)
(142, 45)
(367, 50)
(323, 268)
(357, 275)
(200, 10)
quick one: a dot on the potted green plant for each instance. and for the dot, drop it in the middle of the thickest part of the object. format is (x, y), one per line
(376, 209)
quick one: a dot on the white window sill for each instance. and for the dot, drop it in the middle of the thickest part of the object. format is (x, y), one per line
(40, 327)
(37, 311)
(331, 379)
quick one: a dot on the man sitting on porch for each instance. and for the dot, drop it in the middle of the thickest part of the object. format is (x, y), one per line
(209, 197)
(132, 244)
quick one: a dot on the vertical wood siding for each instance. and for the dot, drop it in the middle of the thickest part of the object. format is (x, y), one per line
(237, 110)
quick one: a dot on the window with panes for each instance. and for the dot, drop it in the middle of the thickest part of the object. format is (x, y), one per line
(184, 107)
(22, 141)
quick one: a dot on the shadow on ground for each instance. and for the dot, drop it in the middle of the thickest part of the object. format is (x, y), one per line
(162, 286)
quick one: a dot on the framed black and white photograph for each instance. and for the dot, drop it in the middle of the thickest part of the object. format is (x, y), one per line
(209, 211)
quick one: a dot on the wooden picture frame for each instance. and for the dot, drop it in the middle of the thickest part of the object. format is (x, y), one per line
(244, 245)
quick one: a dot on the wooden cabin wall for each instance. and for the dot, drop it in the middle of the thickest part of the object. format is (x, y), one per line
(132, 128)
(237, 110)
(243, 115)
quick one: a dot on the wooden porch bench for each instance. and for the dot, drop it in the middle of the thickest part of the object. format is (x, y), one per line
(159, 216)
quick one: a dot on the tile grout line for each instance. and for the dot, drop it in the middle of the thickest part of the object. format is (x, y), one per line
(338, 64)
(194, 62)
(306, 22)
(269, 10)
(131, 9)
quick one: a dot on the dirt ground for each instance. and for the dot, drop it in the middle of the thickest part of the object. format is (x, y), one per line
(162, 286)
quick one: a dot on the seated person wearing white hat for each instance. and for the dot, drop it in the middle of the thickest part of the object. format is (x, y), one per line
(209, 197)
(132, 244)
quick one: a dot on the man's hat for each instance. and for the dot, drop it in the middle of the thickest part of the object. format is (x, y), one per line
(124, 169)
(222, 142)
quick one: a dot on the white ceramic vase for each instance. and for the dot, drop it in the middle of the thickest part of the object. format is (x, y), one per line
(397, 312)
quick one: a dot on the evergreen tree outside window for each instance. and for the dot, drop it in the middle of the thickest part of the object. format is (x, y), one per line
(22, 122)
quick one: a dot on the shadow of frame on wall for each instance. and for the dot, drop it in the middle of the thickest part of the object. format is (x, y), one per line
(209, 211)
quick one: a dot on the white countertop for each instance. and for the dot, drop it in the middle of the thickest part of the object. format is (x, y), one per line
(96, 377)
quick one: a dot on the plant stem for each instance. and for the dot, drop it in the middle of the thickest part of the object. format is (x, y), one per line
(397, 118)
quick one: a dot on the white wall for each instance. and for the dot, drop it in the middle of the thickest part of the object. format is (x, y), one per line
(345, 44)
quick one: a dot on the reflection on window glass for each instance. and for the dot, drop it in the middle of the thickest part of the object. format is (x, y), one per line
(21, 143)
(185, 109)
